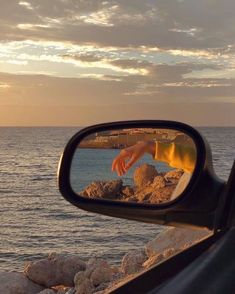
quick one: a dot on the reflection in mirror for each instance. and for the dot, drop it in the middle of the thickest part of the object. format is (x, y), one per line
(143, 165)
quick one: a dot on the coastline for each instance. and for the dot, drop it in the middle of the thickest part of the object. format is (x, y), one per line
(70, 274)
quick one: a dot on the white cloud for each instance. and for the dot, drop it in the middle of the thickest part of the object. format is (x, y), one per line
(100, 77)
(25, 4)
(4, 86)
(101, 17)
(28, 26)
(190, 32)
(193, 53)
(18, 62)
(195, 83)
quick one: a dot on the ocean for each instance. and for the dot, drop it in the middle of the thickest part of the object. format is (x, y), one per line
(36, 220)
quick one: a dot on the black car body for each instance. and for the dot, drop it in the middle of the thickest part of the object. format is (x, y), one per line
(207, 202)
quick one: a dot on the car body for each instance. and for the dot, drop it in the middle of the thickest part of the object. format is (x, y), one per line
(207, 202)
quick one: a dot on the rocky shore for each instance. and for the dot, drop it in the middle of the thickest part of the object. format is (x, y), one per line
(70, 274)
(150, 186)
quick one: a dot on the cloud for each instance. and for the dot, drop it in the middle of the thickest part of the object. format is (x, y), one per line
(82, 57)
(27, 5)
(4, 86)
(92, 89)
(66, 52)
(164, 24)
(46, 100)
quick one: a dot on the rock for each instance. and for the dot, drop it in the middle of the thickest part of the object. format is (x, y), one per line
(153, 260)
(103, 189)
(17, 283)
(85, 288)
(71, 291)
(127, 191)
(55, 270)
(62, 292)
(144, 175)
(159, 182)
(153, 195)
(61, 289)
(95, 278)
(47, 291)
(101, 275)
(131, 199)
(132, 261)
(161, 195)
(79, 278)
(176, 238)
(99, 271)
(101, 287)
(174, 175)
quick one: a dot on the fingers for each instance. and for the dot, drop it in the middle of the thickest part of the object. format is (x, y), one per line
(114, 164)
(118, 164)
(132, 154)
(119, 167)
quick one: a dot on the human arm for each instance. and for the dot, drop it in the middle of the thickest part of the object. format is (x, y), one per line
(128, 156)
(176, 155)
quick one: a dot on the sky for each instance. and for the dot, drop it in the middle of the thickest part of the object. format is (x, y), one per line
(81, 62)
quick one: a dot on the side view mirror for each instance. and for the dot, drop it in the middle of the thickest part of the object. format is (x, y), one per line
(152, 171)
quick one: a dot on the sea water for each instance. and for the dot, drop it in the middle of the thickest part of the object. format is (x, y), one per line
(36, 220)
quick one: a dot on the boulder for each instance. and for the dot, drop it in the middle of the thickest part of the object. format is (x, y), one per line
(175, 238)
(55, 270)
(85, 288)
(128, 191)
(153, 260)
(132, 261)
(101, 275)
(161, 195)
(101, 288)
(61, 289)
(99, 271)
(71, 291)
(144, 175)
(159, 182)
(152, 194)
(103, 189)
(17, 283)
(96, 277)
(174, 175)
(47, 291)
(79, 278)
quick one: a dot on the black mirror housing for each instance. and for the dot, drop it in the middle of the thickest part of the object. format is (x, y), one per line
(195, 207)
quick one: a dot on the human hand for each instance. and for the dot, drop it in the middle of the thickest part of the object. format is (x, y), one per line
(128, 156)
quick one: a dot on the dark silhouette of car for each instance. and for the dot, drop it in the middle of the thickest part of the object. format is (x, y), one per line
(207, 202)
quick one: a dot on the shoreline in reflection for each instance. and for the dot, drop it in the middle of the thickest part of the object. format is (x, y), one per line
(119, 139)
(150, 187)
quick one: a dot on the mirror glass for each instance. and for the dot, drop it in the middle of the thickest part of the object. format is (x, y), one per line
(144, 165)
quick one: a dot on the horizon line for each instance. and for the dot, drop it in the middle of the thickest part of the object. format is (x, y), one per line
(84, 126)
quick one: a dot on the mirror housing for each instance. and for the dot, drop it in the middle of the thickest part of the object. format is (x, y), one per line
(197, 204)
